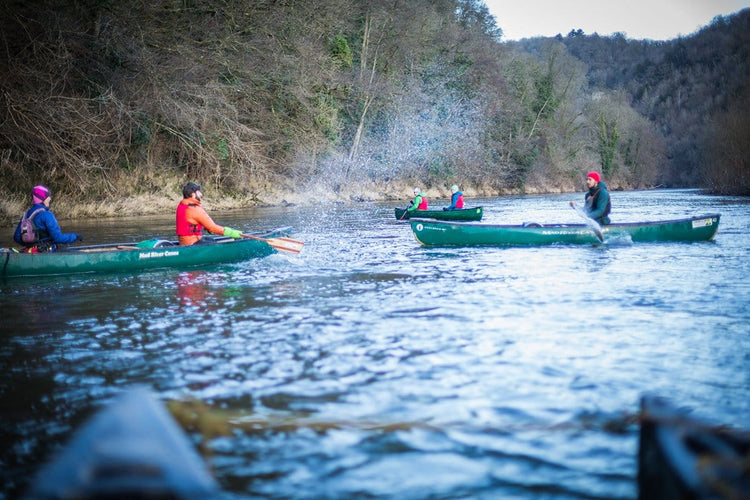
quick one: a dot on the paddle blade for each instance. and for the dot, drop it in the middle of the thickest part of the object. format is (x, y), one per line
(286, 244)
(597, 231)
(282, 244)
(589, 221)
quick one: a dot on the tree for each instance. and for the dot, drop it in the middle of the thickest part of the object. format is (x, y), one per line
(727, 164)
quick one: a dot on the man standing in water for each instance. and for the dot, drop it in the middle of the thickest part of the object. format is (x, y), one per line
(598, 205)
(192, 218)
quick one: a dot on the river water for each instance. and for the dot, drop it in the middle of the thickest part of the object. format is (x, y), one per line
(369, 366)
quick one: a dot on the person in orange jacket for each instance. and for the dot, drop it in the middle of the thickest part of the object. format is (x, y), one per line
(191, 218)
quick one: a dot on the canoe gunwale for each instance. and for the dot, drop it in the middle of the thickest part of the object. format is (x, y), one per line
(131, 448)
(682, 456)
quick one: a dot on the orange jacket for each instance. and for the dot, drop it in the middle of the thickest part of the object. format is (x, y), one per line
(190, 219)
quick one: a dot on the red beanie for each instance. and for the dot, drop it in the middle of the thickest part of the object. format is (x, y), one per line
(594, 176)
(40, 193)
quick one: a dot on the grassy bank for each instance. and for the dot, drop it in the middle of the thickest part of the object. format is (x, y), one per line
(69, 206)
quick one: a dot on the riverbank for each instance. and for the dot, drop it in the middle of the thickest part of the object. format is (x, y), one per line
(69, 207)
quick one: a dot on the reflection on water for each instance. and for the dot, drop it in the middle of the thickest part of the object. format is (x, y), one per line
(369, 366)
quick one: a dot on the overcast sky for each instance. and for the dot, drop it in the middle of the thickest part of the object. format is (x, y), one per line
(638, 19)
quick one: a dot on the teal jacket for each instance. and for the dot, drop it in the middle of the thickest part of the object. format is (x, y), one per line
(598, 204)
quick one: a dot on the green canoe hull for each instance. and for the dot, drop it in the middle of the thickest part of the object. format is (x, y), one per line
(132, 448)
(435, 233)
(129, 258)
(463, 214)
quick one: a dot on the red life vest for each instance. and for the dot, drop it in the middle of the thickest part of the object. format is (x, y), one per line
(185, 228)
(460, 201)
(423, 203)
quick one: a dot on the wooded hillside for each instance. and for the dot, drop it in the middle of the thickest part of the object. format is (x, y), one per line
(695, 89)
(258, 100)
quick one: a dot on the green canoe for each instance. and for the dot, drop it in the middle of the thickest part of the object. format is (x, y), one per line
(133, 257)
(435, 233)
(463, 214)
(132, 448)
(681, 457)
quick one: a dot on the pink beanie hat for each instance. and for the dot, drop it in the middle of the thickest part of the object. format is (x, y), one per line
(40, 193)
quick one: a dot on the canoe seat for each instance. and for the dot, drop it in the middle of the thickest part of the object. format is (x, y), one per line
(155, 243)
(166, 243)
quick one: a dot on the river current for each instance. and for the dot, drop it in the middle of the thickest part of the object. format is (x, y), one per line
(368, 366)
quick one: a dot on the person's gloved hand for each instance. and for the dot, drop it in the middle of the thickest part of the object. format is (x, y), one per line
(232, 233)
(79, 237)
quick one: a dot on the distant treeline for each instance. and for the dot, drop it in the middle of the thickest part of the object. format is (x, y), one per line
(108, 99)
(695, 89)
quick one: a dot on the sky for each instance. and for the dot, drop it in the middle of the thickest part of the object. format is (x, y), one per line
(637, 19)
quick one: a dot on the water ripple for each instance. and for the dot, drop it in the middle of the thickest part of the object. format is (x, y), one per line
(368, 366)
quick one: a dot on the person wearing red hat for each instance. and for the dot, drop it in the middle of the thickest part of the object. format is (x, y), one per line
(598, 204)
(47, 234)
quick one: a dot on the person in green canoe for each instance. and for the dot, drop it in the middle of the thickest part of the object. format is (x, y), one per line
(457, 199)
(191, 218)
(598, 204)
(419, 202)
(38, 231)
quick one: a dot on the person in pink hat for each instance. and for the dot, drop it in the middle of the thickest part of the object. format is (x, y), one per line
(598, 204)
(46, 234)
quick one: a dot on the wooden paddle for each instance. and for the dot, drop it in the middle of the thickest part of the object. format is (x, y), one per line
(402, 215)
(589, 221)
(281, 243)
